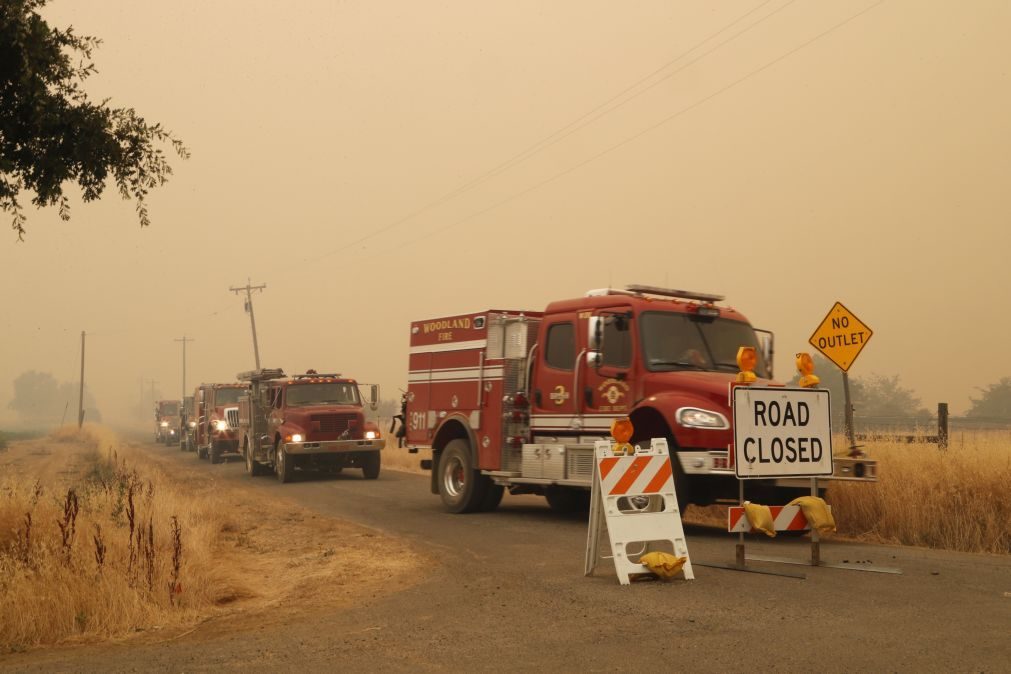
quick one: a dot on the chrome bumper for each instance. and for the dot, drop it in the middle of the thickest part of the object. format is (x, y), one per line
(334, 446)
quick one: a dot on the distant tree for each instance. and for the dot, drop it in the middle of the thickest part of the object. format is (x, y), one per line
(40, 398)
(995, 401)
(882, 396)
(871, 396)
(51, 134)
(35, 395)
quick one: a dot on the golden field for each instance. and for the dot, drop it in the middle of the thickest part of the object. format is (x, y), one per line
(100, 538)
(953, 499)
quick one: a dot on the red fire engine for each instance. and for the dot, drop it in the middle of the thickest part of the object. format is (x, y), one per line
(216, 429)
(516, 399)
(307, 421)
(167, 421)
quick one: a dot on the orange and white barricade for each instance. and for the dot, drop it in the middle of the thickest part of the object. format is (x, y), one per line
(634, 496)
(784, 518)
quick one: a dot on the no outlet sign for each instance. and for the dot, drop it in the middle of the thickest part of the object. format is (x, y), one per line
(782, 432)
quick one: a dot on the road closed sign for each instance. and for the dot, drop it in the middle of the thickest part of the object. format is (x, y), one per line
(781, 432)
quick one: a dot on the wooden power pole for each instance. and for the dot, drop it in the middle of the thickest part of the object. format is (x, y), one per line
(248, 289)
(80, 396)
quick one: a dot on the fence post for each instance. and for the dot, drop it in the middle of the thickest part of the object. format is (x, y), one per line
(942, 425)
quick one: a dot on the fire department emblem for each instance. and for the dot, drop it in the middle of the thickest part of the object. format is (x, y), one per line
(613, 390)
(559, 395)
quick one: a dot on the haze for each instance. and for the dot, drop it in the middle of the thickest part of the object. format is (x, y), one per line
(868, 166)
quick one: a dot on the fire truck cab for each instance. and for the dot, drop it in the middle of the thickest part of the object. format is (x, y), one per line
(216, 432)
(307, 421)
(167, 421)
(516, 399)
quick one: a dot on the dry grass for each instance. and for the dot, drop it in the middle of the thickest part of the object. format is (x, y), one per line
(115, 551)
(397, 458)
(957, 499)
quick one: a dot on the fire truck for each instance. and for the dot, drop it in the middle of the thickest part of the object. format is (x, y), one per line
(167, 421)
(304, 422)
(509, 399)
(216, 431)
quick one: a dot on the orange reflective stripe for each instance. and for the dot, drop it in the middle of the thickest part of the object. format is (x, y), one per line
(606, 465)
(660, 479)
(631, 474)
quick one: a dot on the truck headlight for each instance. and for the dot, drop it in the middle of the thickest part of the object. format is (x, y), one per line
(693, 417)
(371, 435)
(164, 424)
(296, 437)
(220, 425)
(193, 424)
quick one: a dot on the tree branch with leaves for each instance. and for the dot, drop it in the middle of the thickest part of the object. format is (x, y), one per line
(51, 134)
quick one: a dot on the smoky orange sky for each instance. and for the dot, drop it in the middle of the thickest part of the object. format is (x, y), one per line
(785, 154)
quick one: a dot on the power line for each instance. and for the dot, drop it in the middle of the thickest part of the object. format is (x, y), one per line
(648, 129)
(567, 129)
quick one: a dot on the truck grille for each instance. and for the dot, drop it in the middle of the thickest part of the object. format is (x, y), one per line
(335, 423)
(232, 416)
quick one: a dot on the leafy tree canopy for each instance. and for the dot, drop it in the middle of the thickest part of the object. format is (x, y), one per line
(995, 401)
(52, 134)
(872, 396)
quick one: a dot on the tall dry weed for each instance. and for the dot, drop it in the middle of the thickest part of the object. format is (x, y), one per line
(953, 499)
(149, 534)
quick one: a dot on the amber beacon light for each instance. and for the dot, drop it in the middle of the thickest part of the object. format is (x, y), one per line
(805, 367)
(747, 359)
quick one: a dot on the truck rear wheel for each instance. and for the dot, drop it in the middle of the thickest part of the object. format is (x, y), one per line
(370, 465)
(462, 488)
(282, 464)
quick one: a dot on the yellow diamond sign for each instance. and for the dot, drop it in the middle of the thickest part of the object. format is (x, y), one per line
(841, 336)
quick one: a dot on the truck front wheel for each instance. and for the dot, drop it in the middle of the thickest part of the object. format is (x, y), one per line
(370, 465)
(461, 487)
(282, 464)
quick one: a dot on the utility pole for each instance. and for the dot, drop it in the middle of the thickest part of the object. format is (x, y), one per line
(80, 397)
(249, 308)
(184, 340)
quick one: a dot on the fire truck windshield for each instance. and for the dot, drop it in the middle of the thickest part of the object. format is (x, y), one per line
(169, 409)
(327, 393)
(228, 396)
(677, 341)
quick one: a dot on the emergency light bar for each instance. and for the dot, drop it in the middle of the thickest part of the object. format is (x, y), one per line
(680, 294)
(261, 375)
(321, 375)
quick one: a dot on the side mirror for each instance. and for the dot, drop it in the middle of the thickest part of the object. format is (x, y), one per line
(595, 334)
(766, 342)
(374, 397)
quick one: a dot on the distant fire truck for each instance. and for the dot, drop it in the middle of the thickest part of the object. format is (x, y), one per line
(307, 421)
(167, 421)
(216, 432)
(516, 399)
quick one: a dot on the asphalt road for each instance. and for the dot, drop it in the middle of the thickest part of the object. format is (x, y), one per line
(506, 591)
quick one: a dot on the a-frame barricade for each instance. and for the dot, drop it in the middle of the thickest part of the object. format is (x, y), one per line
(633, 496)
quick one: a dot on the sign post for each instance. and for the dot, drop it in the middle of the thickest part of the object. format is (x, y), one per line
(840, 337)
